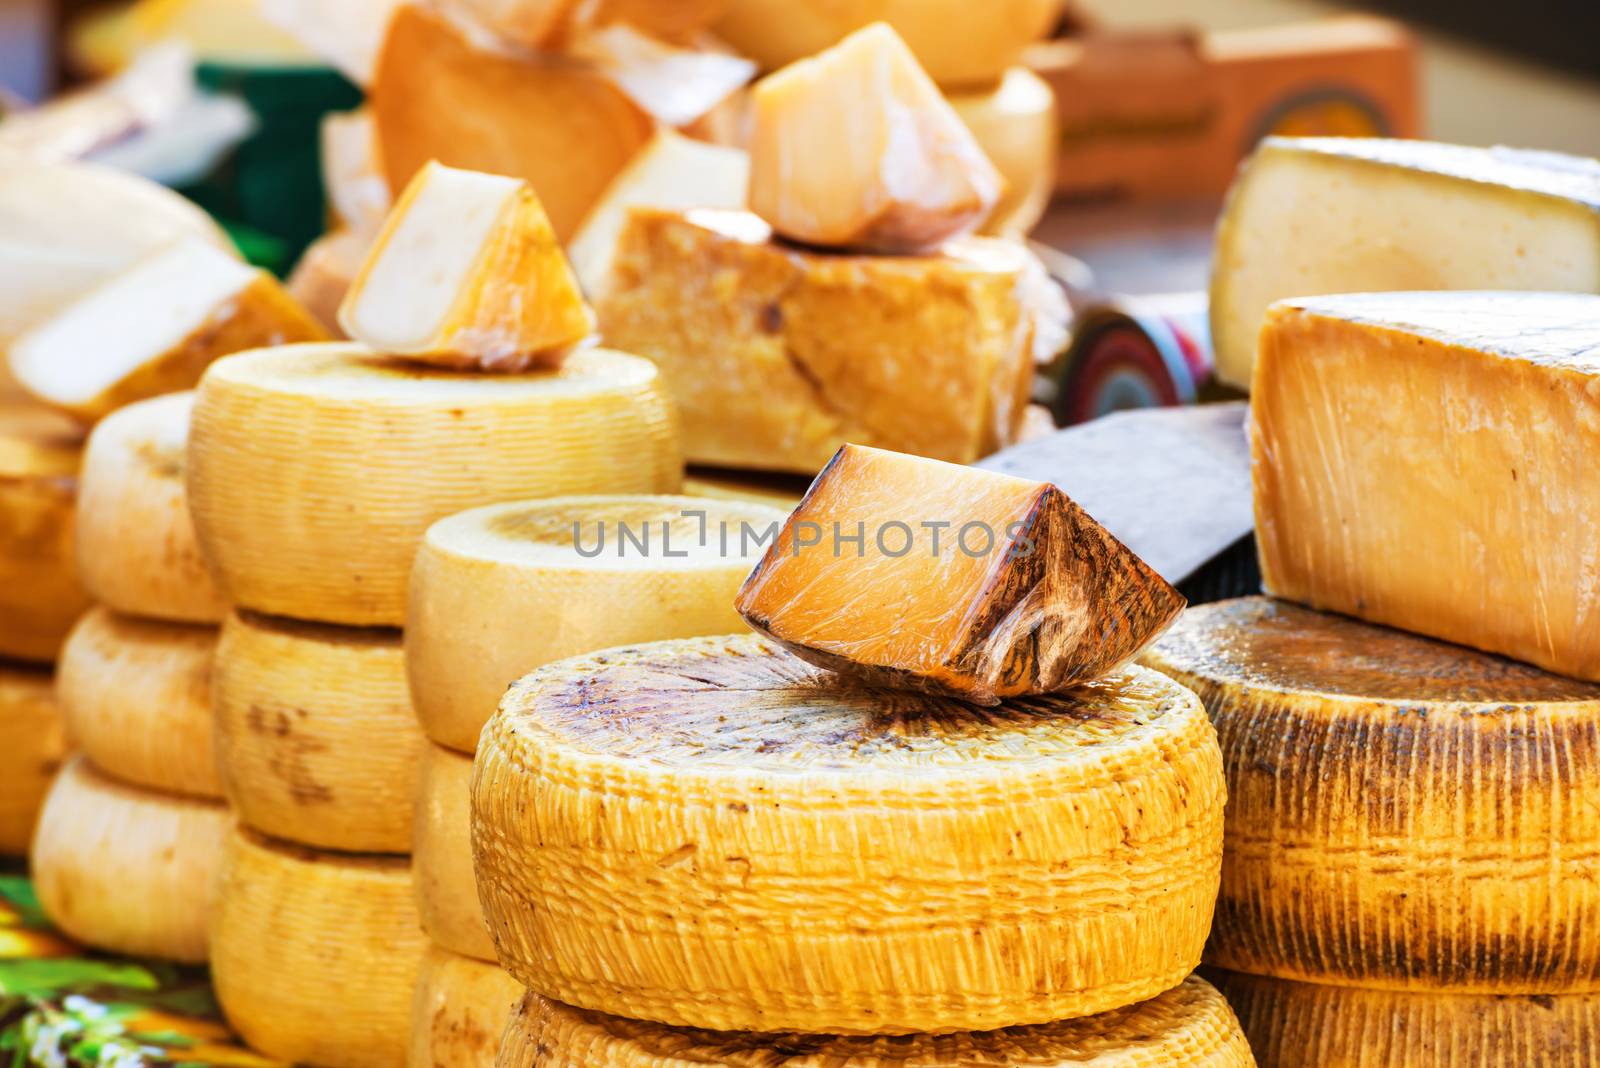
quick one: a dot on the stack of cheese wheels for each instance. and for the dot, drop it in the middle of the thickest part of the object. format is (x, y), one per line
(128, 845)
(1411, 857)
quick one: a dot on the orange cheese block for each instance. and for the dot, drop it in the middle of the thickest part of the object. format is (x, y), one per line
(40, 596)
(32, 745)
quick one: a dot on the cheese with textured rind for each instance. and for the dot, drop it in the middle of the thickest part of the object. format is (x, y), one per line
(32, 746)
(1421, 460)
(712, 833)
(315, 470)
(1015, 125)
(460, 1011)
(40, 596)
(447, 891)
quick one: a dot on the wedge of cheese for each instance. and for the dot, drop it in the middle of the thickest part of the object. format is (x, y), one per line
(1309, 216)
(931, 355)
(314, 470)
(1015, 125)
(460, 1011)
(447, 892)
(500, 590)
(32, 747)
(40, 596)
(916, 573)
(135, 541)
(1399, 811)
(550, 24)
(1420, 460)
(154, 329)
(784, 849)
(322, 275)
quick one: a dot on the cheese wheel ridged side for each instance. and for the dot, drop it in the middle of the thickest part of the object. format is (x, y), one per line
(136, 695)
(1402, 813)
(713, 833)
(32, 745)
(1187, 1027)
(40, 596)
(316, 740)
(447, 892)
(127, 870)
(501, 590)
(314, 470)
(315, 956)
(460, 1011)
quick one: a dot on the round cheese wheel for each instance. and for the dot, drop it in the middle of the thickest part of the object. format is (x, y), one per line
(136, 694)
(460, 1011)
(1015, 124)
(447, 891)
(712, 833)
(32, 745)
(315, 737)
(314, 470)
(40, 596)
(127, 870)
(500, 590)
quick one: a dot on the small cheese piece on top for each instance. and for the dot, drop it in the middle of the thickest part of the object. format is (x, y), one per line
(1015, 124)
(40, 595)
(32, 746)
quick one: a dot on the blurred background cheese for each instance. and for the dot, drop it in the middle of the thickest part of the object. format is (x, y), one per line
(352, 174)
(32, 747)
(1015, 125)
(548, 23)
(447, 894)
(460, 1011)
(322, 275)
(40, 595)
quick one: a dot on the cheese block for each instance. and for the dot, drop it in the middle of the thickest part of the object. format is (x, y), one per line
(500, 590)
(1402, 813)
(352, 175)
(550, 24)
(1015, 125)
(1188, 1025)
(125, 870)
(443, 92)
(315, 736)
(779, 491)
(1419, 460)
(447, 892)
(322, 275)
(498, 294)
(459, 1012)
(712, 833)
(916, 573)
(1310, 216)
(314, 470)
(32, 745)
(315, 956)
(40, 596)
(931, 355)
(856, 148)
(154, 329)
(136, 549)
(136, 697)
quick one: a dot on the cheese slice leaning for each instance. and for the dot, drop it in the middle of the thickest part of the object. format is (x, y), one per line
(32, 747)
(460, 1011)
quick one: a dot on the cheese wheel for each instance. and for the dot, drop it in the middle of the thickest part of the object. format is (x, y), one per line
(1015, 124)
(40, 596)
(500, 590)
(135, 542)
(712, 833)
(126, 870)
(136, 697)
(315, 956)
(1402, 813)
(780, 491)
(460, 1011)
(447, 892)
(315, 737)
(314, 470)
(1190, 1025)
(32, 745)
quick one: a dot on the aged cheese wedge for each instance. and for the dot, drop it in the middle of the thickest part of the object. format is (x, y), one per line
(1401, 812)
(551, 23)
(126, 870)
(315, 956)
(135, 542)
(315, 736)
(447, 892)
(1351, 215)
(1420, 460)
(40, 596)
(352, 174)
(136, 697)
(314, 470)
(780, 491)
(780, 848)
(920, 574)
(856, 148)
(32, 745)
(154, 329)
(500, 590)
(1015, 125)
(931, 355)
(322, 275)
(460, 1011)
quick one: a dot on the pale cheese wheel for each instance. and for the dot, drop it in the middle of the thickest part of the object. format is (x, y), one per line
(1016, 126)
(460, 1011)
(314, 470)
(447, 891)
(32, 746)
(40, 595)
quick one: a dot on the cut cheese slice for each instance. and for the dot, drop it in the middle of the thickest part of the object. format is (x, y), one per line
(447, 892)
(856, 148)
(136, 696)
(154, 329)
(314, 470)
(550, 24)
(323, 274)
(1420, 460)
(920, 574)
(931, 355)
(125, 870)
(467, 273)
(352, 175)
(778, 491)
(782, 849)
(135, 541)
(40, 596)
(1015, 125)
(1400, 811)
(315, 956)
(315, 736)
(1351, 215)
(32, 745)
(460, 1011)
(501, 590)
(1189, 1026)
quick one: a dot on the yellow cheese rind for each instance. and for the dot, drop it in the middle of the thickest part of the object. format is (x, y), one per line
(40, 596)
(315, 737)
(314, 470)
(126, 870)
(447, 892)
(460, 1011)
(1402, 813)
(781, 849)
(315, 956)
(32, 746)
(485, 580)
(1016, 126)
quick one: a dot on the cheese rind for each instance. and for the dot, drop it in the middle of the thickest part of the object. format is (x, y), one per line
(460, 1011)
(447, 891)
(40, 595)
(32, 747)
(1015, 125)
